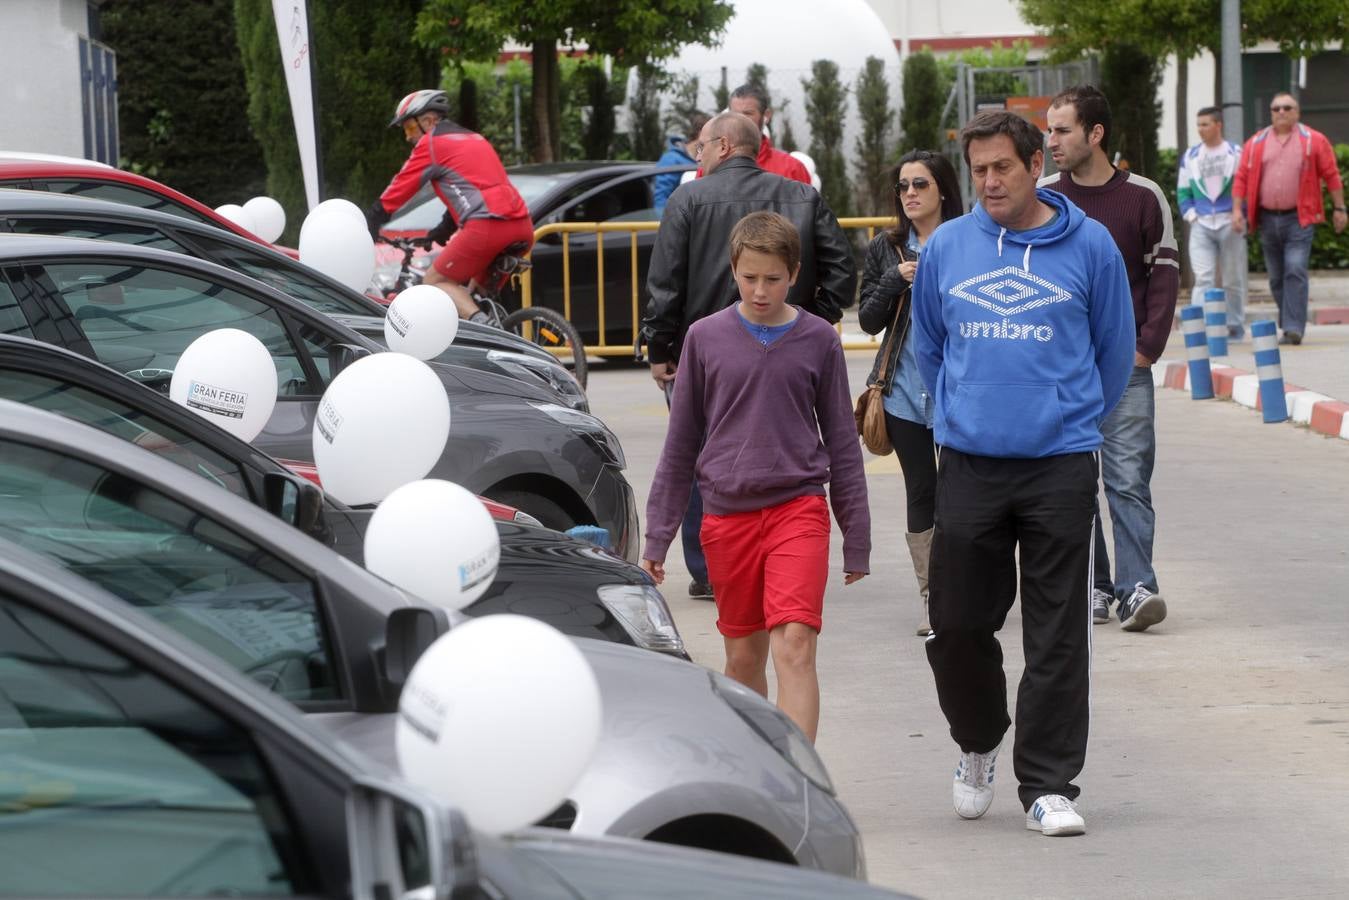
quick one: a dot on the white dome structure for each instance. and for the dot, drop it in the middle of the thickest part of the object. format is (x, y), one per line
(786, 36)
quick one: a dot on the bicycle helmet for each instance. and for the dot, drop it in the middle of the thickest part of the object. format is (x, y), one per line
(419, 102)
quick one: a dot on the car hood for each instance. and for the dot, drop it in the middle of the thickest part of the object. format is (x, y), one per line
(471, 334)
(606, 867)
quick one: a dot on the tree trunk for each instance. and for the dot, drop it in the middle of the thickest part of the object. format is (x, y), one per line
(555, 105)
(542, 91)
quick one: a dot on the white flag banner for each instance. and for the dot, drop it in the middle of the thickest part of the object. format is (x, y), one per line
(292, 28)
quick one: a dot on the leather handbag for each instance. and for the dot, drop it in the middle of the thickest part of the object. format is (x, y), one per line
(870, 408)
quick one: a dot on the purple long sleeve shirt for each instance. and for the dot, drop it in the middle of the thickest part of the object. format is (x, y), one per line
(773, 423)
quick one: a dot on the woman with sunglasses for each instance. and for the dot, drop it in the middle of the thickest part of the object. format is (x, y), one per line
(926, 194)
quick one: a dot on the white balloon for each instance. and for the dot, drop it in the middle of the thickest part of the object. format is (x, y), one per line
(228, 377)
(238, 215)
(345, 207)
(268, 216)
(499, 718)
(434, 539)
(338, 245)
(422, 321)
(382, 423)
(815, 181)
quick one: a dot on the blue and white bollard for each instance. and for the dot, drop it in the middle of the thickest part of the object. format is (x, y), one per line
(1215, 321)
(1269, 371)
(1196, 352)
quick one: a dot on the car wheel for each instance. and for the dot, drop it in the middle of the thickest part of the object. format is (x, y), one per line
(549, 514)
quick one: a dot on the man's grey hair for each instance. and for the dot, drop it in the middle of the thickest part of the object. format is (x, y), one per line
(740, 133)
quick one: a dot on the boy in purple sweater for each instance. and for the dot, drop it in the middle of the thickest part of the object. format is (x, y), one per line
(763, 391)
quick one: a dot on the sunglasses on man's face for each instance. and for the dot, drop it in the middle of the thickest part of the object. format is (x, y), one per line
(1287, 107)
(918, 184)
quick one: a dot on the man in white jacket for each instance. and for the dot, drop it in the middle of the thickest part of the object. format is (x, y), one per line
(1204, 192)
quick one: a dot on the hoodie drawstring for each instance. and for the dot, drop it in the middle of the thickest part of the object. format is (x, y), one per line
(1001, 232)
(1025, 259)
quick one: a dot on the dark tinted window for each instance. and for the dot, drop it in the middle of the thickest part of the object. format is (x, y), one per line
(140, 320)
(12, 320)
(118, 784)
(287, 276)
(106, 231)
(120, 420)
(124, 193)
(216, 587)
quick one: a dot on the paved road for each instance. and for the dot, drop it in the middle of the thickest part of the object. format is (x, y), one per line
(1219, 754)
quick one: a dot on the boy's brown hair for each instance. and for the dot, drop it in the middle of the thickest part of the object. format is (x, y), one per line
(768, 233)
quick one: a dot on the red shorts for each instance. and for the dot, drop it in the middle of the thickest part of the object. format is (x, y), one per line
(477, 243)
(770, 566)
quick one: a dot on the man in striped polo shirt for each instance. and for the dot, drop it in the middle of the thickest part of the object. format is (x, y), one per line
(1136, 213)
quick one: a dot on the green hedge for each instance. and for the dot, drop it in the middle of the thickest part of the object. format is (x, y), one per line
(1329, 250)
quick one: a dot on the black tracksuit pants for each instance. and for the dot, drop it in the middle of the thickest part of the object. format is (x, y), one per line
(987, 510)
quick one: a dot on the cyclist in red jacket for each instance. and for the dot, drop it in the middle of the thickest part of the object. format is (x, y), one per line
(486, 214)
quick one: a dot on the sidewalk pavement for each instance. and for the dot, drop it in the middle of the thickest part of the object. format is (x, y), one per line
(1315, 374)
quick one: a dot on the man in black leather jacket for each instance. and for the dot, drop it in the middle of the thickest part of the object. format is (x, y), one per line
(690, 272)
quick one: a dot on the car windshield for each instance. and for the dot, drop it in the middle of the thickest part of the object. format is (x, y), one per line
(424, 211)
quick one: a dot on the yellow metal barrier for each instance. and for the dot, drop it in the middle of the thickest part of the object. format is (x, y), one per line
(632, 229)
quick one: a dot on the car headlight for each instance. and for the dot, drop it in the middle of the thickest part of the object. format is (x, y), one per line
(555, 376)
(774, 726)
(644, 615)
(588, 427)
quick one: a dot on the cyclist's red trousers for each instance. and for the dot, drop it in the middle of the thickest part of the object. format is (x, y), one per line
(477, 243)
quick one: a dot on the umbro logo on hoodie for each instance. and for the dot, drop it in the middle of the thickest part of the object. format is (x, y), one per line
(1009, 291)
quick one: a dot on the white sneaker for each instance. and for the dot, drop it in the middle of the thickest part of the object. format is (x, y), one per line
(972, 789)
(1055, 815)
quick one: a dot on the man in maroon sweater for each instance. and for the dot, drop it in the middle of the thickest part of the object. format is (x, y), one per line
(1138, 217)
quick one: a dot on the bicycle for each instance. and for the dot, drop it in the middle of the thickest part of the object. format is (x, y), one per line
(543, 327)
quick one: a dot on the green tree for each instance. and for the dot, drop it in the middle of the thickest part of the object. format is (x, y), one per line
(683, 104)
(181, 97)
(644, 118)
(786, 138)
(1130, 78)
(919, 118)
(721, 94)
(364, 64)
(631, 31)
(601, 98)
(757, 75)
(826, 104)
(873, 147)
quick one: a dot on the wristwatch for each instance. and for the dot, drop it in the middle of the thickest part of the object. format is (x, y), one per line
(1339, 209)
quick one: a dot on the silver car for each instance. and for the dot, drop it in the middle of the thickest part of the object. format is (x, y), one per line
(686, 757)
(136, 765)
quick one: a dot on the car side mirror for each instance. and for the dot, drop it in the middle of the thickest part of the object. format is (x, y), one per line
(342, 355)
(404, 847)
(408, 633)
(295, 500)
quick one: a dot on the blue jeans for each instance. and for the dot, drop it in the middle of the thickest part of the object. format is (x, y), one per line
(1214, 249)
(1128, 453)
(1288, 247)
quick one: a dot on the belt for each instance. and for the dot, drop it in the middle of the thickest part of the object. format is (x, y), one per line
(1277, 212)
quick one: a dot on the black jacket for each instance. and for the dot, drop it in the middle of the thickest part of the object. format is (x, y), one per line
(690, 272)
(882, 288)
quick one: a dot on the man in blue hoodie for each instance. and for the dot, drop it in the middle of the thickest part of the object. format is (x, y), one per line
(676, 154)
(1025, 337)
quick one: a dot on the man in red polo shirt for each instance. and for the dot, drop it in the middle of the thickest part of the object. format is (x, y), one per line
(485, 215)
(752, 101)
(1278, 187)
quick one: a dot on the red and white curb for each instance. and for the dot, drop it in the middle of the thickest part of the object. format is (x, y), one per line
(1318, 412)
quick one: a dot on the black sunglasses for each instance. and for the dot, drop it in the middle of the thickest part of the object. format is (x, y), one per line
(1287, 107)
(918, 184)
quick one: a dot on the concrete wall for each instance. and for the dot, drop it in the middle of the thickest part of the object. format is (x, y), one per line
(40, 75)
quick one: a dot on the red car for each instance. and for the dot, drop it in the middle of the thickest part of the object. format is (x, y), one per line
(89, 179)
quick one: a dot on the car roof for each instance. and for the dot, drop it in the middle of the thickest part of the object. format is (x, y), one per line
(575, 166)
(27, 156)
(19, 168)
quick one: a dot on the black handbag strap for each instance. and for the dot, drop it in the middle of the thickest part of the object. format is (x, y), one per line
(884, 374)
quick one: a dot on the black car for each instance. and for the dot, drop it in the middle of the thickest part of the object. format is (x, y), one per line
(137, 309)
(566, 582)
(612, 192)
(477, 346)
